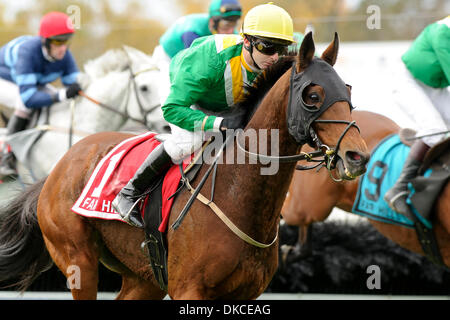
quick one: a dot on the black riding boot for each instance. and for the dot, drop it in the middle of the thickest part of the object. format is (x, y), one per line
(8, 163)
(127, 200)
(396, 196)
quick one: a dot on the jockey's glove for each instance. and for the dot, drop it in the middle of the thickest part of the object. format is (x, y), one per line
(73, 90)
(232, 122)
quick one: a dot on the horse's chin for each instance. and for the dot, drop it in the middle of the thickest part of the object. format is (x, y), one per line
(347, 173)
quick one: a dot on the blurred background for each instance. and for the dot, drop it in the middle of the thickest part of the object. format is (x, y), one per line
(373, 33)
(106, 24)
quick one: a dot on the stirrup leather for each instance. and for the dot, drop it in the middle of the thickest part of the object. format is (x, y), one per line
(126, 216)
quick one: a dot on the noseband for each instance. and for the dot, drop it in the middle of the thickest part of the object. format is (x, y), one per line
(142, 110)
(329, 155)
(125, 114)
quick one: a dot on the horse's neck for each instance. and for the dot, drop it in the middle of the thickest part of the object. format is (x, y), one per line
(271, 115)
(266, 188)
(111, 91)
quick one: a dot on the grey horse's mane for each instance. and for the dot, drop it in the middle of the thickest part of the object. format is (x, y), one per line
(111, 60)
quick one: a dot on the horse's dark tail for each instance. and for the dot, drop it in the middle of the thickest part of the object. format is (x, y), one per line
(23, 255)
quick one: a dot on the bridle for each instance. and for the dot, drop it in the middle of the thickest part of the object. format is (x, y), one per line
(328, 154)
(300, 117)
(297, 130)
(125, 114)
(328, 157)
(142, 110)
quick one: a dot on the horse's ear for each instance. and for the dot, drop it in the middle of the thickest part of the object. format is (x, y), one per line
(136, 56)
(306, 53)
(330, 54)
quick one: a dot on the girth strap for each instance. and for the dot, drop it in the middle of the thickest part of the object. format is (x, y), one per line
(427, 240)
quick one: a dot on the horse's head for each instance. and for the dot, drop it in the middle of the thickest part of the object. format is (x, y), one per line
(146, 78)
(126, 80)
(319, 110)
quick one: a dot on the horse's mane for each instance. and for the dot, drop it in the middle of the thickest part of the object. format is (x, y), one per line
(261, 85)
(111, 60)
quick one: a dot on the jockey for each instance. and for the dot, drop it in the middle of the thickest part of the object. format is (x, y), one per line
(27, 65)
(210, 76)
(424, 95)
(222, 18)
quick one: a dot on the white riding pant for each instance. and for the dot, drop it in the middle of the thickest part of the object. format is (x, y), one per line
(10, 97)
(427, 107)
(163, 62)
(181, 143)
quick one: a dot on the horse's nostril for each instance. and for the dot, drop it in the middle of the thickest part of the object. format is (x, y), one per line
(356, 157)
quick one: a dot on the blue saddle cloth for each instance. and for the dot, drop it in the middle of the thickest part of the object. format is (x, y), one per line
(383, 170)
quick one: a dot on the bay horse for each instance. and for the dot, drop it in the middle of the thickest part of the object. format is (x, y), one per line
(205, 259)
(304, 206)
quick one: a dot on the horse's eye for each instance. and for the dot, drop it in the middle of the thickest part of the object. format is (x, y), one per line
(144, 88)
(315, 98)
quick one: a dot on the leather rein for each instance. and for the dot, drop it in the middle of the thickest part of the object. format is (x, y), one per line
(296, 121)
(329, 157)
(125, 114)
(328, 154)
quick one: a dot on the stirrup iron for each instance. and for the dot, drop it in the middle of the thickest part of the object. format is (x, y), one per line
(127, 215)
(395, 198)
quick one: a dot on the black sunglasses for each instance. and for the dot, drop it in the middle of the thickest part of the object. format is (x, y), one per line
(58, 42)
(268, 48)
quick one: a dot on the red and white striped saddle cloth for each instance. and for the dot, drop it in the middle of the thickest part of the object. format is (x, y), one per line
(114, 171)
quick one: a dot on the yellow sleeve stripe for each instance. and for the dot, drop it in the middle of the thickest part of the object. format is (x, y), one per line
(236, 71)
(224, 41)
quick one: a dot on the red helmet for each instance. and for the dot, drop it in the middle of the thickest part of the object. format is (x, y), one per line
(55, 24)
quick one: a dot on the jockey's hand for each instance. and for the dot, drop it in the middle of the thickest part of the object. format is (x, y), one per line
(231, 123)
(73, 90)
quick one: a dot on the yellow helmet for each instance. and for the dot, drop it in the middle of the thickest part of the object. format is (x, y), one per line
(268, 21)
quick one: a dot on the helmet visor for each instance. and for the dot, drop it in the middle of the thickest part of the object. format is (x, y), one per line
(58, 42)
(60, 39)
(230, 11)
